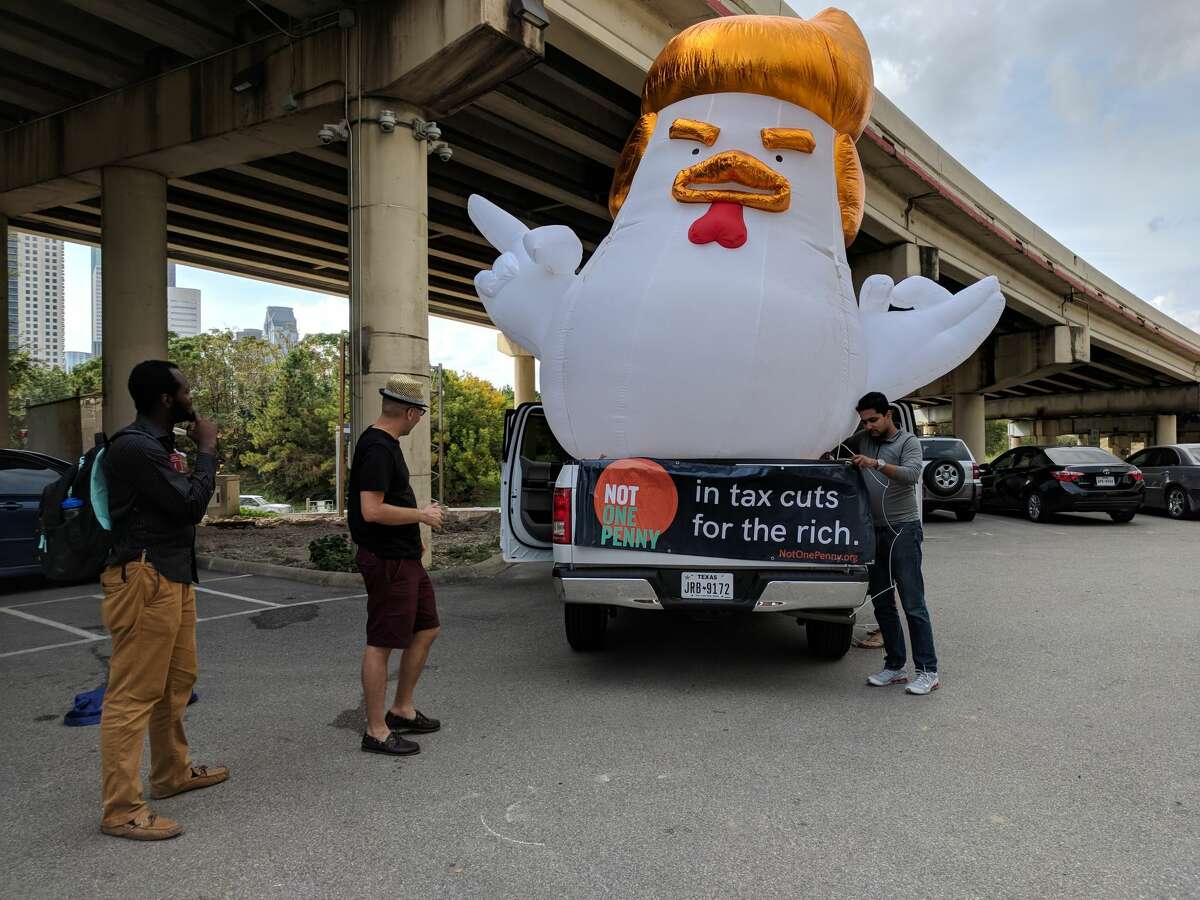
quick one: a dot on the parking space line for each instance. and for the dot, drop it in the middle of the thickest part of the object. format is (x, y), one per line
(51, 646)
(54, 600)
(237, 597)
(226, 578)
(250, 612)
(59, 625)
(104, 637)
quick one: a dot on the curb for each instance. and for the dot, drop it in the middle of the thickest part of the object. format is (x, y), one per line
(489, 567)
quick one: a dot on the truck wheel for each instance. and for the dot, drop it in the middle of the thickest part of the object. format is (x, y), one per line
(964, 515)
(829, 640)
(585, 625)
(1122, 516)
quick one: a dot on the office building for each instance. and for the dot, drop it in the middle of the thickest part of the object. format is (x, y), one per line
(97, 307)
(280, 327)
(249, 333)
(36, 300)
(74, 358)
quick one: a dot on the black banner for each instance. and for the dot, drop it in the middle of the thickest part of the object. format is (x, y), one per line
(812, 512)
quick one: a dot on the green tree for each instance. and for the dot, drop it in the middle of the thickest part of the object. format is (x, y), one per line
(88, 377)
(996, 431)
(32, 382)
(230, 381)
(292, 435)
(472, 432)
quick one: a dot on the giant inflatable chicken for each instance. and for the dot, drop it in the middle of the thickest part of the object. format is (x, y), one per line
(717, 319)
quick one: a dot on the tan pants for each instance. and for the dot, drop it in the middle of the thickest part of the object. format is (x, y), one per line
(150, 676)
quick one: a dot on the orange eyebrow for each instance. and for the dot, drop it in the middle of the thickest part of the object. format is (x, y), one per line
(788, 139)
(691, 130)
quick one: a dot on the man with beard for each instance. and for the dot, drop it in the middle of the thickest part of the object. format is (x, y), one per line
(149, 604)
(891, 462)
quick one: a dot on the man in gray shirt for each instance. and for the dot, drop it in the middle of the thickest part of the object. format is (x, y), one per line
(891, 462)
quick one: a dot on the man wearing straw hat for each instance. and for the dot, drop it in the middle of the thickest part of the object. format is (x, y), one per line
(401, 611)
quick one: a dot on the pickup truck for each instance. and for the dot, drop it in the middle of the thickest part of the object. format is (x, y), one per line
(542, 487)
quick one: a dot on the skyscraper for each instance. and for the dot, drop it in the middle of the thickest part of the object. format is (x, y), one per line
(36, 311)
(97, 306)
(280, 327)
(11, 293)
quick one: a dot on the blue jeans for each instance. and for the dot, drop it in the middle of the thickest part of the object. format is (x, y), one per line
(898, 557)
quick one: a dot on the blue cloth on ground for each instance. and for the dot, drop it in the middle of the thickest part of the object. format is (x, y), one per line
(90, 704)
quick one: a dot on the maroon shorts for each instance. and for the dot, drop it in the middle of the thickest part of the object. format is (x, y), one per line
(399, 599)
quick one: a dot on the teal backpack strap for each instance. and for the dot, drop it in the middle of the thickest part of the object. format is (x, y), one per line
(99, 491)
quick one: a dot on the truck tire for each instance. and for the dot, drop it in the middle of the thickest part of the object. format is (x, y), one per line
(585, 625)
(829, 640)
(964, 515)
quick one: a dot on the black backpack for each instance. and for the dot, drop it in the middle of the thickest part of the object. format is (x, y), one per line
(76, 541)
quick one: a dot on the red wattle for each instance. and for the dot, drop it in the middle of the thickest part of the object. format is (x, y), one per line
(722, 223)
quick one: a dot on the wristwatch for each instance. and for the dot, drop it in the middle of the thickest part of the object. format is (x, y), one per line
(879, 463)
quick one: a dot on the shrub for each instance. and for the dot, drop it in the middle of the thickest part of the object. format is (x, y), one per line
(251, 512)
(332, 553)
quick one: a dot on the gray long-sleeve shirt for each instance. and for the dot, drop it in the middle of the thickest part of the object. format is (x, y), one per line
(893, 500)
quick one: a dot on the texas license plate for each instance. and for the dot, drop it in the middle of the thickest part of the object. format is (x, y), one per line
(707, 586)
(1106, 481)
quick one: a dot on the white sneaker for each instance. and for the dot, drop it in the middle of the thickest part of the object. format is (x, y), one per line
(923, 683)
(888, 676)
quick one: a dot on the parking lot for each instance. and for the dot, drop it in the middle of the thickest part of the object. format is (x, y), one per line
(692, 758)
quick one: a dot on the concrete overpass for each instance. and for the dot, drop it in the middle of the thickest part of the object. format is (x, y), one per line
(195, 136)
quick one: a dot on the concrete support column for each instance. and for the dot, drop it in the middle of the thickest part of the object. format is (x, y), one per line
(389, 282)
(5, 424)
(133, 243)
(969, 423)
(523, 380)
(1165, 431)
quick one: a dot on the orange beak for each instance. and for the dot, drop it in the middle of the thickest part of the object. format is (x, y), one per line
(768, 190)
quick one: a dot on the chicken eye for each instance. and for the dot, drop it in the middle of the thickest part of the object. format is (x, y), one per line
(696, 151)
(778, 157)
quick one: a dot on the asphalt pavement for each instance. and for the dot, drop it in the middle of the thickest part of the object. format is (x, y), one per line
(692, 758)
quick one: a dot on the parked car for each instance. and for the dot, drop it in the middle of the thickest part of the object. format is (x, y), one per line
(1172, 474)
(950, 477)
(22, 476)
(256, 501)
(1042, 481)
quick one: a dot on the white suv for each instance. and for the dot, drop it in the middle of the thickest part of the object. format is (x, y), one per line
(256, 501)
(950, 477)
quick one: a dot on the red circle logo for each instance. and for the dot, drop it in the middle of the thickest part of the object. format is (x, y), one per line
(635, 494)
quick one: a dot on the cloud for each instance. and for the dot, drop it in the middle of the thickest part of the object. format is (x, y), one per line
(1175, 306)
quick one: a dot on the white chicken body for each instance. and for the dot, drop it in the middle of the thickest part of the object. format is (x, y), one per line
(700, 349)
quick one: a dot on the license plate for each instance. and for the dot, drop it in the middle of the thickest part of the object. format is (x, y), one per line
(707, 586)
(1106, 481)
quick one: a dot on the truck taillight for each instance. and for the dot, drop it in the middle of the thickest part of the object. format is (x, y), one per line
(562, 516)
(1065, 475)
(974, 471)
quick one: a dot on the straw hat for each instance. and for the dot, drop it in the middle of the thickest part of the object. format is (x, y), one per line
(405, 389)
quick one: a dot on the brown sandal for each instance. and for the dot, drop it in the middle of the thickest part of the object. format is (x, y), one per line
(873, 640)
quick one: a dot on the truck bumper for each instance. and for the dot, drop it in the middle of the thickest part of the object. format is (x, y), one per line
(788, 591)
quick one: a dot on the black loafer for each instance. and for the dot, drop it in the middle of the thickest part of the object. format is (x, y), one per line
(393, 746)
(418, 724)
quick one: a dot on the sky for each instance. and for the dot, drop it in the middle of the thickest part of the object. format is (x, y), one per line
(1077, 112)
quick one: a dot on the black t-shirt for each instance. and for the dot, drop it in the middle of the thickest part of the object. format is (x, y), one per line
(379, 465)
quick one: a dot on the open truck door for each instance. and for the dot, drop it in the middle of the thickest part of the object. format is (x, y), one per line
(532, 461)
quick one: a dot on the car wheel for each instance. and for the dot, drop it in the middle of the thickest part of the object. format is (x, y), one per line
(964, 515)
(585, 625)
(1176, 503)
(829, 640)
(1122, 516)
(944, 477)
(1035, 510)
